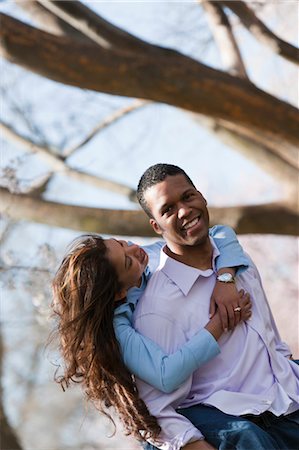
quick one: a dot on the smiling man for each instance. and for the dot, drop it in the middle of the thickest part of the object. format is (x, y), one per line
(247, 397)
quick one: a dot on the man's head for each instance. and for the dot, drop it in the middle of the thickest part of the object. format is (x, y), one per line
(153, 175)
(177, 211)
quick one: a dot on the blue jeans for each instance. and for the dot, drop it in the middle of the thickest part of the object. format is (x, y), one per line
(227, 432)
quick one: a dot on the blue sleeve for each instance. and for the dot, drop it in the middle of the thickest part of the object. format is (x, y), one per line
(145, 359)
(231, 252)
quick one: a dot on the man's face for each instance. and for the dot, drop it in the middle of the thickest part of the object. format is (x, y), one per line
(179, 212)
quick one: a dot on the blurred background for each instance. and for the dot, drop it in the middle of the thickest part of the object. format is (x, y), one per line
(71, 158)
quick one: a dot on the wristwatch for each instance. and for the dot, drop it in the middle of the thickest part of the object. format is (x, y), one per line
(226, 278)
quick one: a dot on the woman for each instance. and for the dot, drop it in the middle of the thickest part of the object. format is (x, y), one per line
(93, 279)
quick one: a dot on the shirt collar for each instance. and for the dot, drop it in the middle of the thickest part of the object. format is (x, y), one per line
(182, 275)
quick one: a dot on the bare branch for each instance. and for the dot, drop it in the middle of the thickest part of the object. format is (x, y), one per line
(261, 32)
(48, 21)
(169, 77)
(114, 117)
(95, 27)
(274, 218)
(224, 38)
(271, 162)
(59, 165)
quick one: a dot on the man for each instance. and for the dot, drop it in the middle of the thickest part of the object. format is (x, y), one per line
(247, 397)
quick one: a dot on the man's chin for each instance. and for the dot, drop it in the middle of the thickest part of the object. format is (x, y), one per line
(198, 240)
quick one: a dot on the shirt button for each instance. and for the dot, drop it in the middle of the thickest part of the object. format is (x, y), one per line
(266, 402)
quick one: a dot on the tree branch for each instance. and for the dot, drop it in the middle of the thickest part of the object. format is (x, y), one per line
(260, 154)
(274, 218)
(99, 30)
(59, 165)
(224, 38)
(48, 21)
(169, 77)
(114, 117)
(261, 32)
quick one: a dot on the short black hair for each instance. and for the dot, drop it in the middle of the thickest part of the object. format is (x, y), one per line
(154, 175)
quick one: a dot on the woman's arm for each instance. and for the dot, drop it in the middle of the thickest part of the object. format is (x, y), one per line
(231, 252)
(145, 359)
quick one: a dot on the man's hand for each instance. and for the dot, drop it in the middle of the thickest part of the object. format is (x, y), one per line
(198, 445)
(226, 297)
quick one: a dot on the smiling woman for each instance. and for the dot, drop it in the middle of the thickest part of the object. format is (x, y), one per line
(129, 261)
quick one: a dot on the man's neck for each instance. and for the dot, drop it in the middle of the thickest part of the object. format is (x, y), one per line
(198, 256)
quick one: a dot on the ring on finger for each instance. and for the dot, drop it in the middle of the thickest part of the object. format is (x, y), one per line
(237, 309)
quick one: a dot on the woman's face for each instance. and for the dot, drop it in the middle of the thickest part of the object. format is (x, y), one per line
(128, 260)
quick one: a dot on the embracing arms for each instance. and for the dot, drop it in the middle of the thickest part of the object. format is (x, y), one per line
(166, 372)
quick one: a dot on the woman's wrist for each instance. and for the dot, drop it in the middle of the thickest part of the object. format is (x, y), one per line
(214, 326)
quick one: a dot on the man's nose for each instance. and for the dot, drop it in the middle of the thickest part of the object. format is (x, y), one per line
(183, 210)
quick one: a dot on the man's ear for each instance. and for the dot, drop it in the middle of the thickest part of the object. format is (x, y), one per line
(121, 294)
(155, 226)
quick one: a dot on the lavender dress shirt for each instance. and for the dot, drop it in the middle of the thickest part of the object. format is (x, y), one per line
(252, 373)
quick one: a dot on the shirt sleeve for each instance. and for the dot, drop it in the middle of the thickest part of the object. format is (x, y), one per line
(280, 345)
(231, 252)
(166, 372)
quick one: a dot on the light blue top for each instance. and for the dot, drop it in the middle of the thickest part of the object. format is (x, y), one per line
(143, 357)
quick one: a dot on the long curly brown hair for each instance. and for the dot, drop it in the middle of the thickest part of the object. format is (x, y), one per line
(84, 290)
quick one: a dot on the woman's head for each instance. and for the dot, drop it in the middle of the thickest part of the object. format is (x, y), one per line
(86, 277)
(85, 288)
(111, 266)
(129, 261)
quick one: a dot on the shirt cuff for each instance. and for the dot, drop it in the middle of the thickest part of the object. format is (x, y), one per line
(190, 435)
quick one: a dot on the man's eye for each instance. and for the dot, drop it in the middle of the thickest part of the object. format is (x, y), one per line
(167, 210)
(188, 196)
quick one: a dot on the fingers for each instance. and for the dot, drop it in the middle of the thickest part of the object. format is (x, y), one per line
(223, 316)
(245, 305)
(232, 318)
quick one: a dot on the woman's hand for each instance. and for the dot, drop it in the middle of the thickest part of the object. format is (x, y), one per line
(225, 298)
(214, 326)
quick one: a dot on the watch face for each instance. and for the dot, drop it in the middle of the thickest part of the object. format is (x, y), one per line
(226, 277)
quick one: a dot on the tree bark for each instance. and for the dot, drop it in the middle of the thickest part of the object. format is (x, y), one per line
(170, 78)
(274, 218)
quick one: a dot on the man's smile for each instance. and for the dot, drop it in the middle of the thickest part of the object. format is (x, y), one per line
(192, 223)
